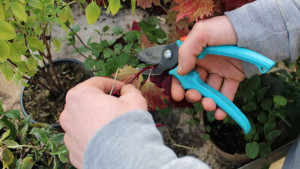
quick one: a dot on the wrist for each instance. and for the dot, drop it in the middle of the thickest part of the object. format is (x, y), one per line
(218, 31)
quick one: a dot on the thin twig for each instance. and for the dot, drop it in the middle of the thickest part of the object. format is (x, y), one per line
(79, 52)
(178, 145)
(79, 39)
(113, 86)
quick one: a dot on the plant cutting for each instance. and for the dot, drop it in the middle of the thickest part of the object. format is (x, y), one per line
(26, 54)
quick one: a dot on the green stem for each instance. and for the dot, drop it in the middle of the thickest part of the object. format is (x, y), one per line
(112, 88)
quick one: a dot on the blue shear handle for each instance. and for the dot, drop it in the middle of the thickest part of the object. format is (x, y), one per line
(193, 81)
(263, 63)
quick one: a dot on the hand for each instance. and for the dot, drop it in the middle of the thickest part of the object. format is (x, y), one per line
(213, 69)
(88, 108)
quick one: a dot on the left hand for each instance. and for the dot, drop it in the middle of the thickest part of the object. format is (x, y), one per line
(88, 108)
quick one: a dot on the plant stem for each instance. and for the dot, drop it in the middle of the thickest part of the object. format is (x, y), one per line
(79, 52)
(112, 88)
(33, 80)
(49, 58)
(140, 72)
(80, 39)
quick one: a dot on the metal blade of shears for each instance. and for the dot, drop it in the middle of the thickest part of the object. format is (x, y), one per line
(165, 56)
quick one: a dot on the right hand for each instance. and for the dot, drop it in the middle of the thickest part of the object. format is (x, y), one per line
(213, 69)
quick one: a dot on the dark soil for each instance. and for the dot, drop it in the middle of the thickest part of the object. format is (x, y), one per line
(227, 137)
(45, 106)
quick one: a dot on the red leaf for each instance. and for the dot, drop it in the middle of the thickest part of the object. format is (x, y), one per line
(164, 81)
(154, 95)
(145, 43)
(144, 3)
(193, 9)
(127, 74)
(231, 5)
(135, 26)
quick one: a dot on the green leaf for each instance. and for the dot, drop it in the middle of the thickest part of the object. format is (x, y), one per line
(11, 143)
(266, 104)
(2, 13)
(37, 28)
(198, 107)
(206, 136)
(117, 30)
(63, 15)
(23, 133)
(133, 6)
(260, 94)
(26, 121)
(283, 119)
(19, 11)
(262, 118)
(30, 21)
(31, 63)
(92, 12)
(207, 128)
(10, 126)
(22, 67)
(105, 28)
(248, 95)
(210, 116)
(118, 47)
(16, 51)
(35, 44)
(107, 52)
(131, 36)
(280, 100)
(264, 149)
(40, 134)
(89, 64)
(7, 70)
(5, 135)
(35, 4)
(13, 114)
(251, 106)
(269, 126)
(273, 134)
(4, 50)
(63, 154)
(7, 32)
(7, 157)
(57, 44)
(252, 149)
(114, 6)
(26, 163)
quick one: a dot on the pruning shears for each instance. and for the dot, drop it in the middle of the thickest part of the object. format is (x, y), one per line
(166, 58)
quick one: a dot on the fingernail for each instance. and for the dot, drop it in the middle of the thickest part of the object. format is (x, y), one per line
(179, 68)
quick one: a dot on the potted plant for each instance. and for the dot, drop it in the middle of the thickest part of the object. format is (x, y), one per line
(26, 145)
(25, 57)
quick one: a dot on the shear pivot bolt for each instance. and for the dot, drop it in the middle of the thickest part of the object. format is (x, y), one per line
(168, 54)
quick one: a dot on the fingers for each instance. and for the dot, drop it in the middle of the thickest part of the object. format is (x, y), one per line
(176, 90)
(128, 89)
(229, 89)
(74, 152)
(103, 84)
(133, 98)
(190, 49)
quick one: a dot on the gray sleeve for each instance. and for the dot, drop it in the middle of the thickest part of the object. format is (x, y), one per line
(269, 27)
(132, 141)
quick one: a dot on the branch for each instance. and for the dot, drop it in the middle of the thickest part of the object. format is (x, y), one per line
(79, 52)
(79, 39)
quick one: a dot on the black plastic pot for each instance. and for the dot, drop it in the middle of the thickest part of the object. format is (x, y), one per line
(58, 61)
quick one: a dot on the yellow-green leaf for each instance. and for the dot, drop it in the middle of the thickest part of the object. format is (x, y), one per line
(2, 14)
(5, 135)
(7, 31)
(31, 63)
(19, 11)
(11, 143)
(7, 157)
(37, 28)
(4, 50)
(15, 53)
(57, 44)
(30, 21)
(7, 70)
(114, 6)
(35, 44)
(22, 67)
(63, 14)
(133, 6)
(35, 4)
(26, 163)
(92, 12)
(70, 16)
